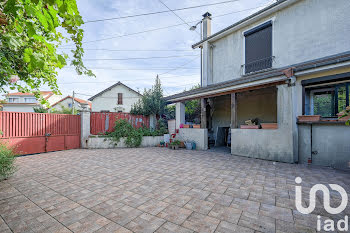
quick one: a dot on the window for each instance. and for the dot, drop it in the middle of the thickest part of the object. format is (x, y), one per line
(69, 105)
(120, 98)
(13, 100)
(327, 101)
(30, 100)
(258, 48)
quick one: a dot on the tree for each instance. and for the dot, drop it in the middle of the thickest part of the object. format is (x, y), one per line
(64, 110)
(152, 102)
(193, 108)
(40, 110)
(29, 40)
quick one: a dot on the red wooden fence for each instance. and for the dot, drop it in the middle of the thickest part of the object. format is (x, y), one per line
(104, 122)
(33, 133)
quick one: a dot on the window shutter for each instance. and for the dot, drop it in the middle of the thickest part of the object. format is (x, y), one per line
(258, 48)
(120, 98)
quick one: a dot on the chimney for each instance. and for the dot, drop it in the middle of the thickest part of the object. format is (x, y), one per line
(206, 25)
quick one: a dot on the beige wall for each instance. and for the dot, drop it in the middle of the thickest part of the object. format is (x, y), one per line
(260, 104)
(109, 99)
(19, 108)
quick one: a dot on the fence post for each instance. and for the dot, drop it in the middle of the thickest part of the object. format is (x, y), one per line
(85, 128)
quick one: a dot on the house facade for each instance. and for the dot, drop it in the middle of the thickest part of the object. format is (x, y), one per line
(290, 59)
(26, 102)
(116, 98)
(67, 102)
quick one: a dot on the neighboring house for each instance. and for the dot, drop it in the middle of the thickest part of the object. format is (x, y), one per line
(67, 102)
(26, 102)
(289, 59)
(116, 98)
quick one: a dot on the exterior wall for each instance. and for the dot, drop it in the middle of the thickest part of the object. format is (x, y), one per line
(199, 136)
(331, 142)
(96, 142)
(301, 32)
(19, 108)
(275, 145)
(65, 103)
(260, 104)
(109, 99)
(222, 113)
(54, 99)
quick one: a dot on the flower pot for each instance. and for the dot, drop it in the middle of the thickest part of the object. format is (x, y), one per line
(188, 145)
(196, 126)
(182, 145)
(311, 118)
(269, 125)
(186, 126)
(249, 127)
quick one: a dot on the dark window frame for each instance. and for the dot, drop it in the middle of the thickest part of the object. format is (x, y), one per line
(120, 98)
(263, 62)
(334, 86)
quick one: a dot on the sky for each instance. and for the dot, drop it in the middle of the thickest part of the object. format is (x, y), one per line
(140, 73)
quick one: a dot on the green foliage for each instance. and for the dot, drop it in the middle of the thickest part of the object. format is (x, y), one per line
(193, 108)
(64, 110)
(123, 129)
(151, 102)
(40, 110)
(29, 40)
(169, 112)
(7, 159)
(345, 113)
(175, 143)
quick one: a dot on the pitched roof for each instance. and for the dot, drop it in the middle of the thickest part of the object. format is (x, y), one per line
(81, 101)
(29, 94)
(110, 88)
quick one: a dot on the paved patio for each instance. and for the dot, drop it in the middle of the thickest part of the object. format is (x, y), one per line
(158, 190)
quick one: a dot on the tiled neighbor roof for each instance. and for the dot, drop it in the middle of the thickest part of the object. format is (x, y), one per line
(312, 64)
(29, 94)
(81, 101)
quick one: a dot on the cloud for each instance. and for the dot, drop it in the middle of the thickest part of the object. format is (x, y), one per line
(179, 37)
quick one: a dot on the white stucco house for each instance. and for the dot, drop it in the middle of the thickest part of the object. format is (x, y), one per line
(26, 102)
(116, 98)
(67, 102)
(281, 64)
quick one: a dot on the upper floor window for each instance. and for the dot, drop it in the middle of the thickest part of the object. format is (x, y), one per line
(258, 48)
(13, 100)
(120, 98)
(30, 100)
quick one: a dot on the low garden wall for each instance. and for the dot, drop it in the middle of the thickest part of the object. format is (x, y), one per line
(103, 142)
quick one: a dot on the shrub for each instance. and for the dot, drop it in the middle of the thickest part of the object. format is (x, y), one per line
(123, 129)
(7, 159)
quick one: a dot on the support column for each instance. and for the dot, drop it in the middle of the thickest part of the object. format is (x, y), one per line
(234, 120)
(180, 114)
(203, 113)
(85, 128)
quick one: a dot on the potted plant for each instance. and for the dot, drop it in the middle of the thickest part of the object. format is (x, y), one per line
(175, 144)
(345, 115)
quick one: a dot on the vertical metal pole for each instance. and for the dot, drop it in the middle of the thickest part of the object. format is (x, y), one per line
(73, 103)
(201, 53)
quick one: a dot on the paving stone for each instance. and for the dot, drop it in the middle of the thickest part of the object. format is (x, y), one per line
(124, 215)
(169, 227)
(153, 206)
(201, 223)
(226, 227)
(276, 212)
(145, 223)
(198, 193)
(175, 214)
(257, 222)
(224, 213)
(87, 189)
(200, 206)
(246, 205)
(221, 199)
